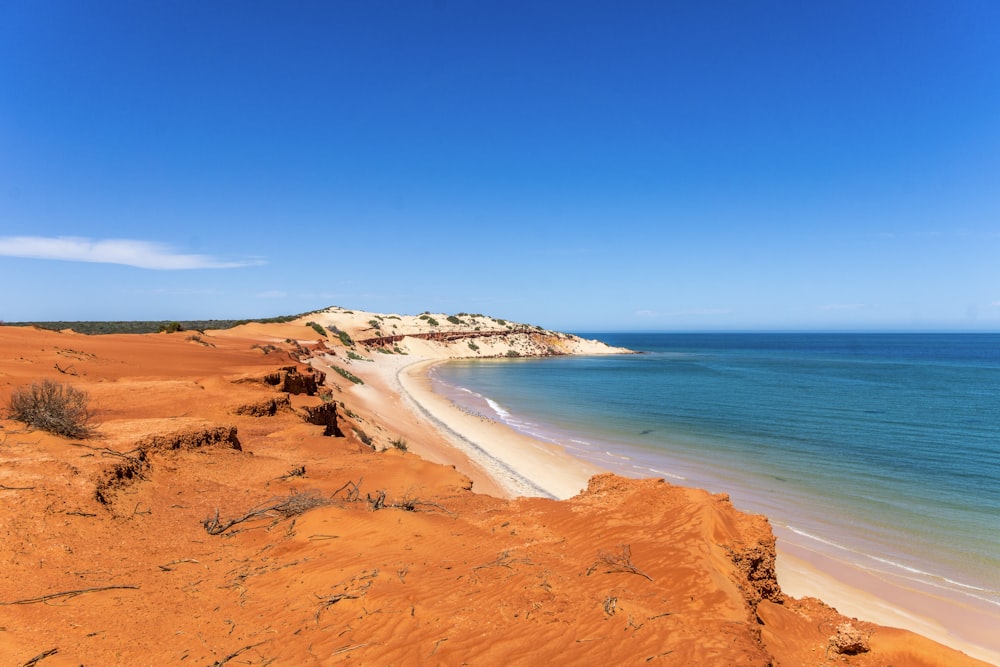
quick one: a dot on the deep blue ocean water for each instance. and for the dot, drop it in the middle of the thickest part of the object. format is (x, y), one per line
(883, 447)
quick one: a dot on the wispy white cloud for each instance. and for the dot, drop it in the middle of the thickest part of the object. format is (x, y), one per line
(996, 303)
(128, 252)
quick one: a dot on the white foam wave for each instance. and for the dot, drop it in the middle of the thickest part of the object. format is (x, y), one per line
(497, 409)
(914, 574)
(665, 474)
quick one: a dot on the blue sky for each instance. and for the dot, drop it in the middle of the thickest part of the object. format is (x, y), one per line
(579, 165)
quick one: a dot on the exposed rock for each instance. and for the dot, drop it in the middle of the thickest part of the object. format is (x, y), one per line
(325, 415)
(216, 436)
(291, 380)
(756, 563)
(135, 465)
(131, 468)
(265, 408)
(849, 640)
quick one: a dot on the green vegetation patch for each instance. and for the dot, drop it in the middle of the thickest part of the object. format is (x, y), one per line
(318, 328)
(348, 374)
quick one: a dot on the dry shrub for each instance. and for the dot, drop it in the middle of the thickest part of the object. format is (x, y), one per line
(52, 407)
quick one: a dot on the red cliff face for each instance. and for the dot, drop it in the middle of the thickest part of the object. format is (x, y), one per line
(189, 531)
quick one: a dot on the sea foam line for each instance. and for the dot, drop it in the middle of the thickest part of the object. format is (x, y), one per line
(921, 576)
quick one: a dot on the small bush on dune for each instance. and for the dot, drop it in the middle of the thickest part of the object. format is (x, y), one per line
(52, 407)
(318, 328)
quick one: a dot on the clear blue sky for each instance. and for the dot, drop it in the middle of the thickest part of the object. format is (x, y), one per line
(579, 165)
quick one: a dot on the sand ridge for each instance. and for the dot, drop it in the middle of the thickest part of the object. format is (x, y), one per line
(345, 551)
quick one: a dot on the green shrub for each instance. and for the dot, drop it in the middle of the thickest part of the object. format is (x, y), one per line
(400, 444)
(473, 346)
(351, 354)
(172, 327)
(52, 407)
(345, 338)
(317, 327)
(363, 437)
(455, 320)
(513, 353)
(348, 374)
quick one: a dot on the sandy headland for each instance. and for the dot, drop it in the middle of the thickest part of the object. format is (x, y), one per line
(296, 494)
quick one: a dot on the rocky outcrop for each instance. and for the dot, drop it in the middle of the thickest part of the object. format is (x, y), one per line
(267, 407)
(136, 465)
(291, 380)
(325, 415)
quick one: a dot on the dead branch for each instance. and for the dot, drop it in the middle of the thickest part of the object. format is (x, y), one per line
(299, 471)
(166, 567)
(278, 509)
(617, 562)
(610, 605)
(353, 490)
(107, 451)
(378, 502)
(4, 487)
(408, 504)
(353, 590)
(41, 656)
(219, 663)
(348, 649)
(503, 559)
(69, 594)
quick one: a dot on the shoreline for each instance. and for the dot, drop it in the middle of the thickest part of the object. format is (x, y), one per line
(522, 465)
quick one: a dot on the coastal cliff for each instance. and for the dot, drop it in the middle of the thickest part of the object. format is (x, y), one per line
(255, 496)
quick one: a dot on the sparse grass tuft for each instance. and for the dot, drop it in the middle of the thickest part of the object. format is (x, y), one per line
(52, 407)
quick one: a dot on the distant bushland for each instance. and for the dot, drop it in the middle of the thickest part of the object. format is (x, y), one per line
(149, 326)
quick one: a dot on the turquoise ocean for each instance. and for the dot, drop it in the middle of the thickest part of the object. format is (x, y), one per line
(880, 449)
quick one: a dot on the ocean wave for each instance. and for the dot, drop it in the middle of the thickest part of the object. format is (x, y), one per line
(497, 409)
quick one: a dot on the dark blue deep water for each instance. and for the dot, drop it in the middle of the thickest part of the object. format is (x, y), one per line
(884, 446)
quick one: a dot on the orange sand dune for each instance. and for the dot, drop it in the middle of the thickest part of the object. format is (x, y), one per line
(171, 538)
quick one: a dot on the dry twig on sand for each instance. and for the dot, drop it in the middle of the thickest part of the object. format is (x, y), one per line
(69, 594)
(354, 589)
(278, 509)
(620, 561)
(41, 656)
(235, 654)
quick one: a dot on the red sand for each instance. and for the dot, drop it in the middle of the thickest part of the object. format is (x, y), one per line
(362, 556)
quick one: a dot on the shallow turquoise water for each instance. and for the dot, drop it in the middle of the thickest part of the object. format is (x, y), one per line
(885, 447)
